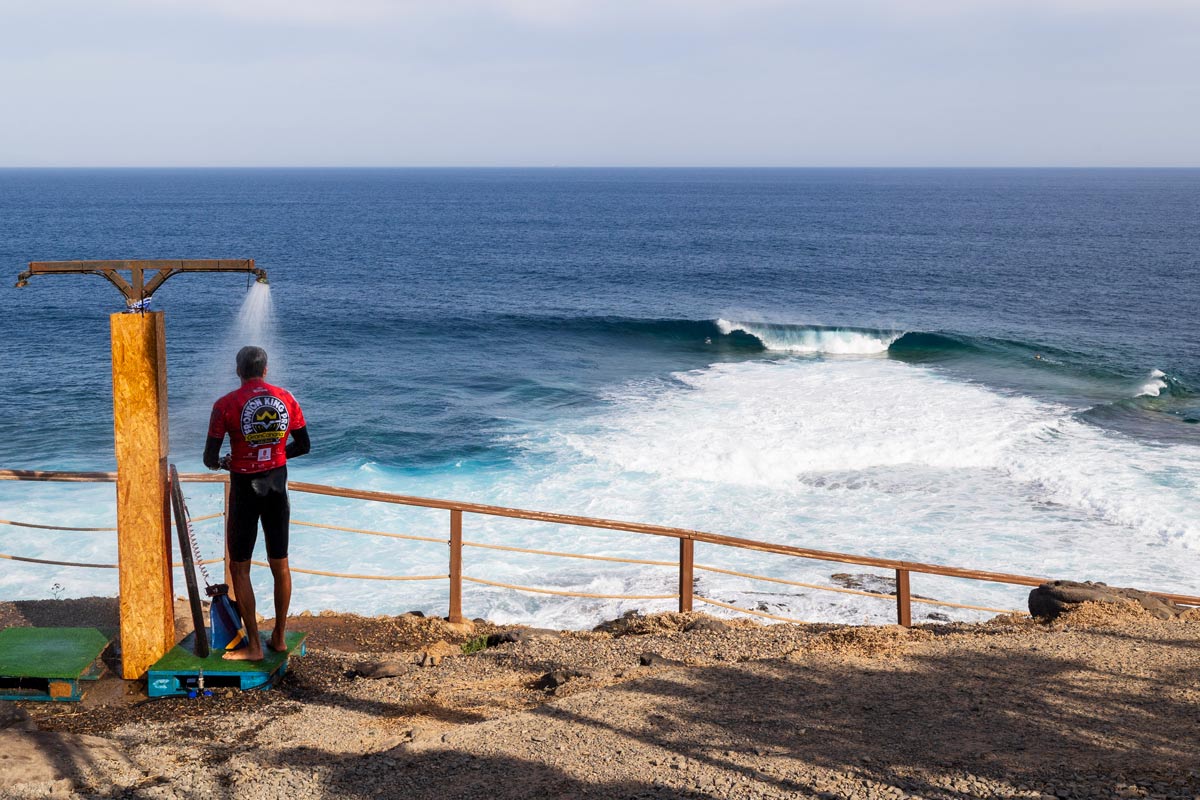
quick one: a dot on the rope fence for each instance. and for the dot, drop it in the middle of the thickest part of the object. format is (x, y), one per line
(17, 524)
(565, 593)
(360, 577)
(90, 565)
(613, 559)
(686, 538)
(844, 590)
(749, 611)
(409, 537)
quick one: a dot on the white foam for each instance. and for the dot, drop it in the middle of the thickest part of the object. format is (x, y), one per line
(1154, 384)
(865, 456)
(802, 339)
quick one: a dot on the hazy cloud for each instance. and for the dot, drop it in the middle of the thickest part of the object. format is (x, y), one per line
(751, 82)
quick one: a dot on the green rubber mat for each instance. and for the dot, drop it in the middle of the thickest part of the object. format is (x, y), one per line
(181, 673)
(180, 658)
(64, 653)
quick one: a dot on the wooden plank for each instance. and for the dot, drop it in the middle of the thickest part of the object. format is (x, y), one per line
(143, 535)
(59, 476)
(903, 599)
(686, 553)
(56, 476)
(456, 546)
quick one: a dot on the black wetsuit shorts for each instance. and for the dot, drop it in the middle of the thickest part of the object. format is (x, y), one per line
(258, 496)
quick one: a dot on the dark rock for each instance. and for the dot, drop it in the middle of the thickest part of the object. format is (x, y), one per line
(1051, 599)
(707, 625)
(937, 616)
(508, 637)
(413, 614)
(14, 717)
(552, 680)
(655, 660)
(520, 636)
(382, 669)
(620, 626)
(479, 621)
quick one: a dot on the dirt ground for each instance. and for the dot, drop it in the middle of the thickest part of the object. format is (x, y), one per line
(1103, 703)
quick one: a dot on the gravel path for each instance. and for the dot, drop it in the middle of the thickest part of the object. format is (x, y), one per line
(1102, 704)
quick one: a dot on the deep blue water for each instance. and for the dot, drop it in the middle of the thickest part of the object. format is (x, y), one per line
(460, 330)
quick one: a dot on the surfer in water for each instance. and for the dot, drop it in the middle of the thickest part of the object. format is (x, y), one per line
(258, 418)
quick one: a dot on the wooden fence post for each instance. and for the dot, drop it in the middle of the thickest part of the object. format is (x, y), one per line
(686, 548)
(903, 599)
(455, 614)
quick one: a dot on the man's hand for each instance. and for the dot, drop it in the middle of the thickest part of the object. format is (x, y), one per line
(212, 450)
(224, 462)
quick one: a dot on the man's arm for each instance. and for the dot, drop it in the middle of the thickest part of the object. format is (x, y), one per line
(299, 445)
(212, 452)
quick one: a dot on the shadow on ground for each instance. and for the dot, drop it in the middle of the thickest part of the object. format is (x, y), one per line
(957, 724)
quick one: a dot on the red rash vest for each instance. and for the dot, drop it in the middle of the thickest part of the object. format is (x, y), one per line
(257, 416)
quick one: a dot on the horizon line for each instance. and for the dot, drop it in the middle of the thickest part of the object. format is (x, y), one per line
(10, 167)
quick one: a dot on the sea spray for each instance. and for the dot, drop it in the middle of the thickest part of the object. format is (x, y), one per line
(1153, 385)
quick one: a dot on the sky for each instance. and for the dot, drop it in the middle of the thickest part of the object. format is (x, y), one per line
(599, 83)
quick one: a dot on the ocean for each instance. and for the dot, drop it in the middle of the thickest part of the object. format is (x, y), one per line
(993, 369)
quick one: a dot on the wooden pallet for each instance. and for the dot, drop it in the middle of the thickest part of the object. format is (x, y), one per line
(178, 672)
(49, 664)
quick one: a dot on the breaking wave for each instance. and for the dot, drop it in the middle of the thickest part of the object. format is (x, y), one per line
(1154, 384)
(813, 339)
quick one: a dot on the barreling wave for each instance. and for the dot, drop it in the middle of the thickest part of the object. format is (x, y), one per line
(906, 345)
(991, 359)
(813, 338)
(1151, 405)
(1159, 391)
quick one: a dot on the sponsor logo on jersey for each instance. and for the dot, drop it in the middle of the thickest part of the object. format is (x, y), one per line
(264, 421)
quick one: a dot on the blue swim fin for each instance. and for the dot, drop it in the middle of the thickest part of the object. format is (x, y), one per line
(225, 621)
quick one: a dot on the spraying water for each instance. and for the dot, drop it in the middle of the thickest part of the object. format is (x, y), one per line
(253, 324)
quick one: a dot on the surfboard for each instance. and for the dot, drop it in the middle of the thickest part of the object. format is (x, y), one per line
(200, 640)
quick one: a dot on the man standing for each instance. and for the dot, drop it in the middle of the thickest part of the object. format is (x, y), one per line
(258, 418)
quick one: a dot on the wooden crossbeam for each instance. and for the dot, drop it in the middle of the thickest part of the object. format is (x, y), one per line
(145, 275)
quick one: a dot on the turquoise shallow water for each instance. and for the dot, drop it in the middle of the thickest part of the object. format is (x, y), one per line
(990, 368)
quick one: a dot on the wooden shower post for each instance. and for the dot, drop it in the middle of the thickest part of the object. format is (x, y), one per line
(139, 362)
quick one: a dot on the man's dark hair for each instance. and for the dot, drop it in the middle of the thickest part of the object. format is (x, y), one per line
(251, 362)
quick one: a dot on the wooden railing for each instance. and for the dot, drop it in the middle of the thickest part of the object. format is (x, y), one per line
(685, 564)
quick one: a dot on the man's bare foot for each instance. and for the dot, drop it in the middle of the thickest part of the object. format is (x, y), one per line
(278, 643)
(245, 654)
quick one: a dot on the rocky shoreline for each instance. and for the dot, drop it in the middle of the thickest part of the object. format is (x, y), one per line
(1101, 703)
